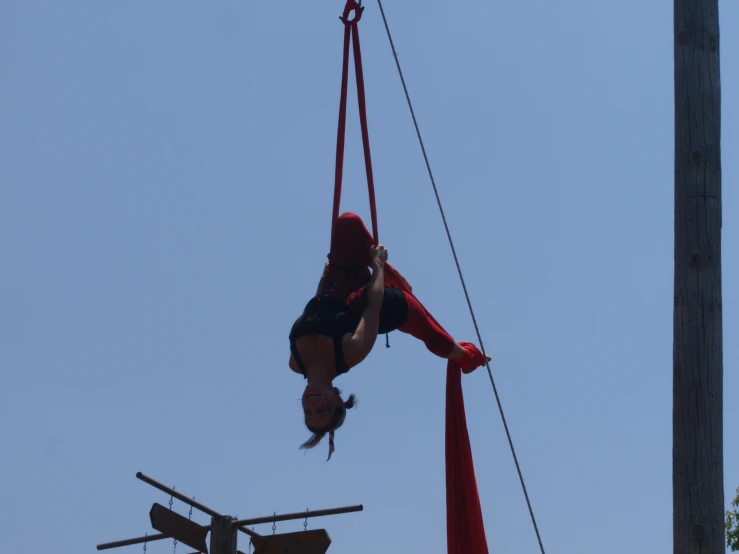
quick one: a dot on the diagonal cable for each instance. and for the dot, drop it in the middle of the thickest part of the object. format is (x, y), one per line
(459, 270)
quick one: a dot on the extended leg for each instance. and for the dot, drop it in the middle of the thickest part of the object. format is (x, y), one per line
(401, 310)
(422, 325)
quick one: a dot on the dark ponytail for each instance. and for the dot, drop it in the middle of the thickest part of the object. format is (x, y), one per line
(336, 422)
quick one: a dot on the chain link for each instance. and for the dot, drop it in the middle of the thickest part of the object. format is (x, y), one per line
(305, 523)
(147, 534)
(189, 516)
(171, 501)
(274, 525)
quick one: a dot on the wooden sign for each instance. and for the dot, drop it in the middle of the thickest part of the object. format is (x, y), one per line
(301, 542)
(178, 527)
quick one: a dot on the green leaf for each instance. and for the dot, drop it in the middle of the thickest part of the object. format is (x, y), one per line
(732, 524)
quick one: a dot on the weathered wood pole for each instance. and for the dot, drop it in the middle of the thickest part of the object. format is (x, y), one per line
(697, 455)
(223, 535)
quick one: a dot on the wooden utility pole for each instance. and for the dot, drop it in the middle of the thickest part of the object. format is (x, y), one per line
(697, 455)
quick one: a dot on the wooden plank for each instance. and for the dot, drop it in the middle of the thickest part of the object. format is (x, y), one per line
(315, 541)
(178, 527)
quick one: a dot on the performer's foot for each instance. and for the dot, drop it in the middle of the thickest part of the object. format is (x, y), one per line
(472, 358)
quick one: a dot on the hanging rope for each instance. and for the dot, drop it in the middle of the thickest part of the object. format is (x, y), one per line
(461, 276)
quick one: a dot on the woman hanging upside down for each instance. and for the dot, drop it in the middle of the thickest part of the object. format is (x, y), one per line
(339, 325)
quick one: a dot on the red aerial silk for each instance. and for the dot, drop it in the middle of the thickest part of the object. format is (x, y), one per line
(465, 527)
(464, 524)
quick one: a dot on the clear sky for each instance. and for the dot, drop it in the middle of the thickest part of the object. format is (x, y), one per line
(166, 175)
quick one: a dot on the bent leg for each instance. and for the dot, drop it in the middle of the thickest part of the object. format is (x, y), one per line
(402, 311)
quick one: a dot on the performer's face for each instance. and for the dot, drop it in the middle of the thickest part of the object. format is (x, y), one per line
(319, 405)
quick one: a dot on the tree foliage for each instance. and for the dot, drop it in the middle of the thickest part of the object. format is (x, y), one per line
(732, 524)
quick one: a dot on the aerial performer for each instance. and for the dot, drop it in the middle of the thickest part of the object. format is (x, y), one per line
(340, 324)
(360, 296)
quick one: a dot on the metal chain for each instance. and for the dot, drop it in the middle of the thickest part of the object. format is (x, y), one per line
(171, 501)
(305, 523)
(274, 526)
(147, 534)
(189, 515)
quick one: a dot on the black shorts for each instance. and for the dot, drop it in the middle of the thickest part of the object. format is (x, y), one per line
(394, 311)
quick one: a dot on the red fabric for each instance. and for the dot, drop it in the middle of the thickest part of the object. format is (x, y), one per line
(349, 260)
(472, 358)
(342, 127)
(363, 119)
(419, 323)
(422, 325)
(465, 527)
(351, 30)
(351, 243)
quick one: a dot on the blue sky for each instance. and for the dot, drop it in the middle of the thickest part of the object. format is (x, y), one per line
(165, 195)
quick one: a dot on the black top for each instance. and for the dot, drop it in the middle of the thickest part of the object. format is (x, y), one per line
(332, 318)
(324, 316)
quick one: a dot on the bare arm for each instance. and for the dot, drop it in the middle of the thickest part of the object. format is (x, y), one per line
(360, 344)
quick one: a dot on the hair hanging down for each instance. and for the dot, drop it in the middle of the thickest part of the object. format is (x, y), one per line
(336, 422)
